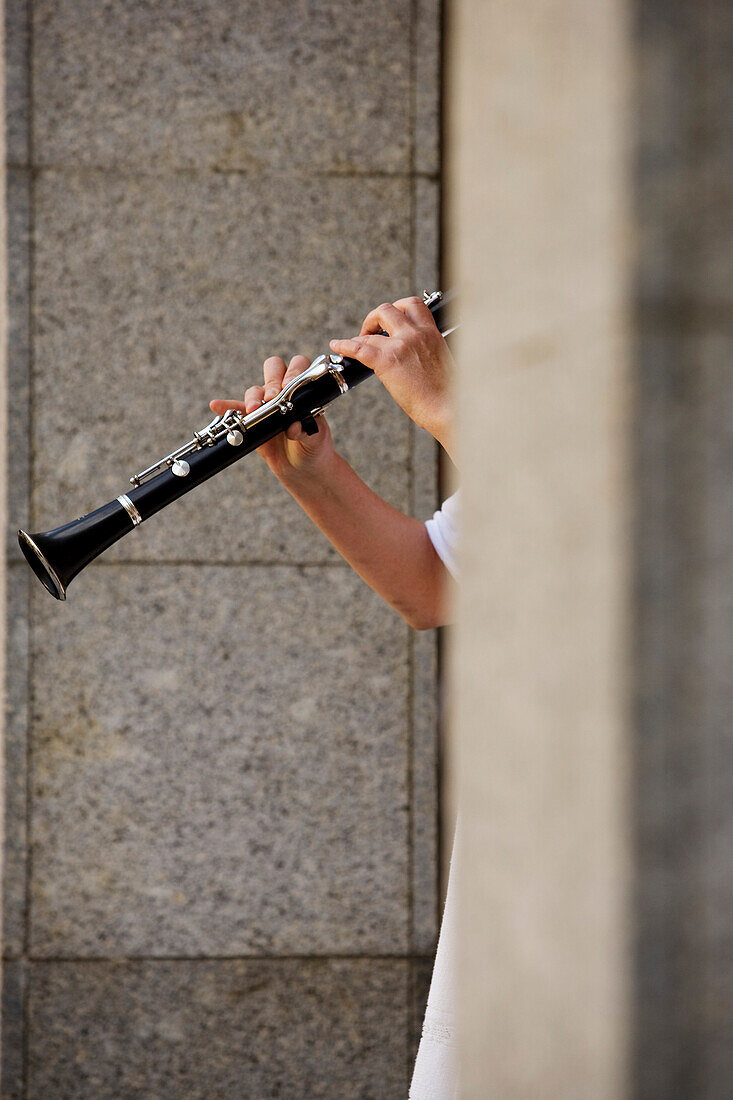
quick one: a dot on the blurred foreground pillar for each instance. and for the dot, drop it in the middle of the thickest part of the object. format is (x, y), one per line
(537, 192)
(592, 674)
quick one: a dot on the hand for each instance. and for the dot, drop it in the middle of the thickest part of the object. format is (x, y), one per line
(291, 452)
(412, 361)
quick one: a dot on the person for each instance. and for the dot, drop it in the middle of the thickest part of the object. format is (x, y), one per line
(408, 562)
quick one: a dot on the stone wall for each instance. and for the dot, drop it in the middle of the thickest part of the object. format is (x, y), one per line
(3, 412)
(221, 850)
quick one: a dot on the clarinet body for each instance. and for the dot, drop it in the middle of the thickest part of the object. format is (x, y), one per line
(57, 556)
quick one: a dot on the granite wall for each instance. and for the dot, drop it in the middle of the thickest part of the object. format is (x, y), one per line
(221, 823)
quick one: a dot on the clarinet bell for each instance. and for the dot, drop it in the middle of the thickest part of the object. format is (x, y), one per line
(36, 550)
(57, 556)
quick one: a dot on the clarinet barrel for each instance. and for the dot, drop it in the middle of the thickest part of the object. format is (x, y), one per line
(57, 556)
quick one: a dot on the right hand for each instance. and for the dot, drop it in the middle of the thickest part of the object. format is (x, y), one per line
(291, 452)
(404, 348)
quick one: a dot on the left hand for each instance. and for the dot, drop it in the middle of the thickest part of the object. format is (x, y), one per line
(291, 453)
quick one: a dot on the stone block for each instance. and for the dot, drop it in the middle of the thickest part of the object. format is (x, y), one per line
(14, 981)
(204, 1029)
(427, 236)
(322, 87)
(421, 971)
(16, 82)
(427, 86)
(221, 766)
(18, 213)
(425, 791)
(423, 502)
(16, 729)
(153, 296)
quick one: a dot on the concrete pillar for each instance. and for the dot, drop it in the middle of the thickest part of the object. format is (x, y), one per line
(577, 129)
(538, 188)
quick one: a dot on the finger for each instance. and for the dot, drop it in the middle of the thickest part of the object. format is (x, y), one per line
(369, 350)
(416, 310)
(296, 433)
(274, 371)
(297, 365)
(254, 397)
(385, 318)
(219, 406)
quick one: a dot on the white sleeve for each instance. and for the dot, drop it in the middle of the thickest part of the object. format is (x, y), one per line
(443, 532)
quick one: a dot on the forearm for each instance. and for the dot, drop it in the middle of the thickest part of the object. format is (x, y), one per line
(392, 552)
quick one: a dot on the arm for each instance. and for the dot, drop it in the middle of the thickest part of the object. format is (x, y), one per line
(390, 551)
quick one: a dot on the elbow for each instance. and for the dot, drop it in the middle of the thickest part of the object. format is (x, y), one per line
(424, 618)
(425, 624)
(429, 603)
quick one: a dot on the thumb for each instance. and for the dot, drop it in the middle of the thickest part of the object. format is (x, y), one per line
(311, 442)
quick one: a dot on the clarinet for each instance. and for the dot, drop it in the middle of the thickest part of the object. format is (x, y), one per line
(57, 556)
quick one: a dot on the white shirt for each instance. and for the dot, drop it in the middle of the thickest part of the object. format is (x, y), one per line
(435, 1074)
(443, 532)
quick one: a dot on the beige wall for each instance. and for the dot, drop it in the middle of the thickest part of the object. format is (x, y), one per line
(537, 187)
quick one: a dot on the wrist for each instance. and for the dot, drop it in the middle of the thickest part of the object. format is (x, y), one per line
(316, 471)
(440, 426)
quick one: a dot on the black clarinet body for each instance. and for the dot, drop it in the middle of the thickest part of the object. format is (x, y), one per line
(57, 556)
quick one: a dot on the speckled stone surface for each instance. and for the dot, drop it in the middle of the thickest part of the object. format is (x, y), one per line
(235, 1029)
(13, 1029)
(16, 731)
(427, 86)
(423, 502)
(16, 81)
(421, 972)
(153, 296)
(18, 452)
(427, 235)
(232, 740)
(425, 777)
(221, 764)
(265, 83)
